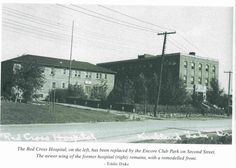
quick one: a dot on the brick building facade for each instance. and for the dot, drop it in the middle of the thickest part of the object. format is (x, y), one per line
(192, 69)
(56, 73)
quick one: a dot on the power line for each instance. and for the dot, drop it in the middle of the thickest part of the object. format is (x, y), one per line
(177, 45)
(9, 21)
(17, 12)
(104, 19)
(191, 43)
(34, 34)
(31, 28)
(38, 35)
(35, 21)
(143, 21)
(35, 28)
(42, 21)
(22, 27)
(122, 21)
(140, 20)
(54, 35)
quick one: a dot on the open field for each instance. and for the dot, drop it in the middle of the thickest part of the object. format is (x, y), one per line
(20, 113)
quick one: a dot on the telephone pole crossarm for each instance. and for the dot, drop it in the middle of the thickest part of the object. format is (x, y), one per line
(163, 33)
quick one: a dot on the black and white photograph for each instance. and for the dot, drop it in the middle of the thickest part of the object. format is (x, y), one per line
(123, 74)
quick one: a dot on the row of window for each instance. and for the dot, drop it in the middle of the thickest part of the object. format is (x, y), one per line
(78, 74)
(131, 67)
(207, 67)
(63, 85)
(199, 73)
(199, 80)
(140, 65)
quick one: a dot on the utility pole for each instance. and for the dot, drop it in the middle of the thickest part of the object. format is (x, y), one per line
(161, 69)
(229, 72)
(71, 47)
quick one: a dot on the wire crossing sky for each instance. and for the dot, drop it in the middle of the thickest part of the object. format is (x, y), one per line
(110, 33)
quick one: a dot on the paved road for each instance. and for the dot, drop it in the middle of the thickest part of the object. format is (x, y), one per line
(110, 131)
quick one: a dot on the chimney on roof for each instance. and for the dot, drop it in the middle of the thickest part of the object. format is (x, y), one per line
(192, 53)
(145, 56)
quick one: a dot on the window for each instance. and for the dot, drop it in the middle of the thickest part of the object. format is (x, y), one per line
(213, 69)
(207, 68)
(105, 76)
(192, 80)
(192, 65)
(64, 71)
(52, 71)
(185, 79)
(206, 82)
(79, 74)
(200, 66)
(53, 84)
(88, 75)
(185, 64)
(199, 80)
(76, 73)
(97, 75)
(63, 85)
(100, 75)
(16, 67)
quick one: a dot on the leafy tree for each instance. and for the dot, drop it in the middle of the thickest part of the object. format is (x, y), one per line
(224, 101)
(141, 90)
(77, 91)
(117, 93)
(123, 91)
(28, 78)
(174, 92)
(215, 95)
(60, 95)
(152, 88)
(99, 92)
(128, 91)
(197, 99)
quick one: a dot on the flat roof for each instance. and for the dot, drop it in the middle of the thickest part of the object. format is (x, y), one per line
(152, 57)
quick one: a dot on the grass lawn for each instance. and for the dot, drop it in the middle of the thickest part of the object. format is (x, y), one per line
(21, 113)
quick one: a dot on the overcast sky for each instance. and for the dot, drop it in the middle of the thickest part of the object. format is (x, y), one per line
(102, 35)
